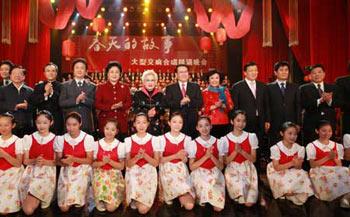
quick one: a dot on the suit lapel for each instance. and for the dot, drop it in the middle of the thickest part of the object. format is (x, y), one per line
(245, 84)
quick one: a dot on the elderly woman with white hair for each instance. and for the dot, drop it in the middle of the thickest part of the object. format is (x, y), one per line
(149, 101)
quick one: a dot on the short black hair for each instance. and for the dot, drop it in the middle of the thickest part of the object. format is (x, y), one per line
(80, 60)
(212, 72)
(234, 113)
(287, 125)
(318, 65)
(248, 64)
(44, 113)
(18, 67)
(280, 64)
(74, 115)
(113, 64)
(181, 65)
(8, 115)
(51, 64)
(323, 123)
(7, 62)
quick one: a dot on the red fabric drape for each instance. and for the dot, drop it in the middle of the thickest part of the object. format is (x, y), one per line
(32, 56)
(52, 19)
(323, 34)
(88, 11)
(223, 13)
(252, 44)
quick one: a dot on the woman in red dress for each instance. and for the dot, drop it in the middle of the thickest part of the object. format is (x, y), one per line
(113, 99)
(217, 103)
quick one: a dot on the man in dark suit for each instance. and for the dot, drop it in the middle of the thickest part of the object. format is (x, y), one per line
(342, 99)
(248, 95)
(316, 103)
(282, 100)
(78, 95)
(184, 97)
(46, 96)
(14, 99)
(5, 68)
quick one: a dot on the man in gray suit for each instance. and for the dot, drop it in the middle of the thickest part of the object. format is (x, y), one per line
(78, 95)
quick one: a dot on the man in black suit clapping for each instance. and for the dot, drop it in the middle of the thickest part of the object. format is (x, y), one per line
(317, 103)
(46, 96)
(185, 97)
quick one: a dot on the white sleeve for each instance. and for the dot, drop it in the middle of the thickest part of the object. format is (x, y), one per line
(127, 145)
(27, 142)
(275, 153)
(95, 150)
(156, 144)
(162, 142)
(310, 152)
(192, 149)
(253, 140)
(187, 143)
(19, 146)
(301, 152)
(121, 151)
(58, 144)
(223, 146)
(340, 150)
(89, 143)
(346, 141)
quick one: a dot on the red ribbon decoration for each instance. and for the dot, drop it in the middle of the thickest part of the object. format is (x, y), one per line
(223, 13)
(65, 10)
(88, 11)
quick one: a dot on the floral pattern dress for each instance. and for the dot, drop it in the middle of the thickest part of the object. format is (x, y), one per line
(141, 179)
(39, 181)
(10, 176)
(208, 180)
(174, 177)
(292, 184)
(240, 174)
(329, 181)
(108, 183)
(74, 181)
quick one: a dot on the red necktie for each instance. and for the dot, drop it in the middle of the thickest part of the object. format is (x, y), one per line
(183, 90)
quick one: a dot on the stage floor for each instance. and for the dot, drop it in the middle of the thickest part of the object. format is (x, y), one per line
(274, 208)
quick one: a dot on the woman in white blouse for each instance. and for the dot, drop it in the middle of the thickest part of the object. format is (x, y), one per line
(11, 154)
(38, 182)
(142, 157)
(329, 178)
(75, 153)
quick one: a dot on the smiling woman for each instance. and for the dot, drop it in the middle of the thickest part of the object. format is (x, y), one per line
(149, 101)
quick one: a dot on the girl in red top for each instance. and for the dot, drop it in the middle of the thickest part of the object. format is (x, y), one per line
(39, 179)
(329, 178)
(142, 157)
(11, 154)
(174, 177)
(75, 153)
(239, 148)
(206, 163)
(109, 162)
(287, 158)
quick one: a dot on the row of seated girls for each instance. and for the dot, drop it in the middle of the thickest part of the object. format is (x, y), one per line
(85, 163)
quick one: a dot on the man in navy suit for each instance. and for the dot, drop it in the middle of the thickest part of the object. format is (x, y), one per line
(317, 103)
(184, 97)
(283, 102)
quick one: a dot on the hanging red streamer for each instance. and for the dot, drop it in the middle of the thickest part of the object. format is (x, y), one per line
(65, 9)
(223, 13)
(88, 11)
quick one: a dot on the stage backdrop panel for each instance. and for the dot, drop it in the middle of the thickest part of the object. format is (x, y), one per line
(137, 53)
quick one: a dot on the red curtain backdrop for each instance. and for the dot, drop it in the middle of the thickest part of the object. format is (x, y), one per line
(32, 56)
(252, 44)
(323, 34)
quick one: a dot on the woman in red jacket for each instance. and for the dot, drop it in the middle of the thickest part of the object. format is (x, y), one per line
(217, 103)
(113, 99)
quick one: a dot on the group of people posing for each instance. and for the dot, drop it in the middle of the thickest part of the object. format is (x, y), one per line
(220, 144)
